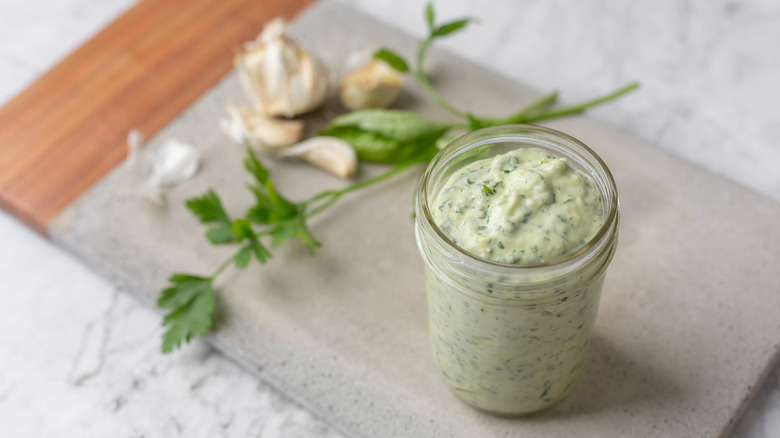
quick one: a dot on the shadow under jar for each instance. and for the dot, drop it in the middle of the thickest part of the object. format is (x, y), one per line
(512, 338)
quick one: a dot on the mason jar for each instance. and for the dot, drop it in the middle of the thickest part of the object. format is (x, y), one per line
(512, 339)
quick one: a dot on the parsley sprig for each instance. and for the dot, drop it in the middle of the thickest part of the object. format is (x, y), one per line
(271, 222)
(388, 136)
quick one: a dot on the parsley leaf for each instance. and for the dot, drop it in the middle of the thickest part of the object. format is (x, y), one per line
(282, 209)
(243, 257)
(208, 208)
(255, 167)
(243, 230)
(260, 213)
(220, 234)
(296, 228)
(191, 300)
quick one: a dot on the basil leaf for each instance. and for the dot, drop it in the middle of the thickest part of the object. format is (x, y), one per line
(393, 124)
(368, 145)
(448, 28)
(443, 141)
(430, 17)
(393, 59)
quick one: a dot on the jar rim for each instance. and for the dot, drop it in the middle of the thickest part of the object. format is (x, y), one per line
(517, 132)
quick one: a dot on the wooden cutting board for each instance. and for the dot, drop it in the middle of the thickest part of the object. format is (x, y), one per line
(688, 324)
(60, 135)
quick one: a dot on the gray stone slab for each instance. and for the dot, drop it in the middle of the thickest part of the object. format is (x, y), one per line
(689, 321)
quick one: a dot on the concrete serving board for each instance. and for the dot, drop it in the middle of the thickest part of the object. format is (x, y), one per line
(689, 321)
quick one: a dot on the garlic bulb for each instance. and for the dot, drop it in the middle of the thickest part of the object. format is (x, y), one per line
(374, 85)
(329, 153)
(261, 132)
(280, 77)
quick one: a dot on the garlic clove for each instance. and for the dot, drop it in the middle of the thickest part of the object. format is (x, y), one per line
(151, 170)
(280, 77)
(173, 162)
(261, 132)
(374, 85)
(329, 153)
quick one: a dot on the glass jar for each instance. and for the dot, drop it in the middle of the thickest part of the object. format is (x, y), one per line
(512, 339)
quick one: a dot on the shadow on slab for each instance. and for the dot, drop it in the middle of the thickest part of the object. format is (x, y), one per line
(616, 381)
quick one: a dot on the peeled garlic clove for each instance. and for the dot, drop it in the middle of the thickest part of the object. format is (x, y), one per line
(261, 132)
(329, 153)
(375, 85)
(279, 76)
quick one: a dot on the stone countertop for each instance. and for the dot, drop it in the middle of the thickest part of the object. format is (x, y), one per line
(83, 360)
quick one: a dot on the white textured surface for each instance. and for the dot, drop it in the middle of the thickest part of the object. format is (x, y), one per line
(81, 359)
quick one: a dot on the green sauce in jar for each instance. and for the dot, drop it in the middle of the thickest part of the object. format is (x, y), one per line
(523, 206)
(516, 248)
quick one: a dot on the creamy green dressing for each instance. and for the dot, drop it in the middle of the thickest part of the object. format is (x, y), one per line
(525, 206)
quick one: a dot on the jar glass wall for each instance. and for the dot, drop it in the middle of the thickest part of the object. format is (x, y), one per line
(512, 339)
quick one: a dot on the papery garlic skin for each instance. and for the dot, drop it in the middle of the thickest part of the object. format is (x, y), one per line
(279, 76)
(374, 85)
(260, 132)
(329, 153)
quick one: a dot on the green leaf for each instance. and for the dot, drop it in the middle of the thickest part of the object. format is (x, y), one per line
(378, 149)
(443, 141)
(475, 123)
(282, 209)
(387, 136)
(487, 190)
(208, 208)
(183, 289)
(393, 59)
(369, 146)
(260, 213)
(191, 299)
(392, 124)
(271, 207)
(452, 26)
(255, 167)
(242, 229)
(243, 257)
(430, 16)
(421, 149)
(296, 229)
(220, 234)
(261, 253)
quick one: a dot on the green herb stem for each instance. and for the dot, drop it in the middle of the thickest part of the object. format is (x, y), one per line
(524, 114)
(334, 195)
(224, 266)
(581, 107)
(425, 84)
